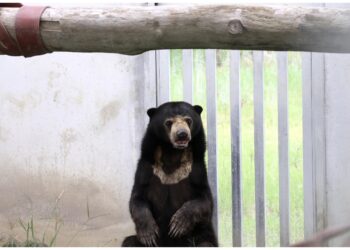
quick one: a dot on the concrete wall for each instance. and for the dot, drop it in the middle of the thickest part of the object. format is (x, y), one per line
(337, 114)
(70, 127)
(337, 134)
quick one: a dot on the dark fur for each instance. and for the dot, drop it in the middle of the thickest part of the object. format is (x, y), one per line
(184, 209)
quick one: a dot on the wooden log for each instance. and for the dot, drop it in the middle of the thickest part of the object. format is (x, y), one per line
(320, 238)
(135, 29)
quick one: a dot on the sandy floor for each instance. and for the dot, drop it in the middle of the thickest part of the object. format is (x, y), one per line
(87, 213)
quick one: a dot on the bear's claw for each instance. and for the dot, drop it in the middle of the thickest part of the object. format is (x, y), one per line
(148, 234)
(180, 224)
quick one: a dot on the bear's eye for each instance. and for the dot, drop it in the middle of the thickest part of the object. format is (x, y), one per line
(168, 123)
(188, 121)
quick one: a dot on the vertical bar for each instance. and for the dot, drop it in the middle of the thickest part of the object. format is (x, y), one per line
(283, 158)
(314, 143)
(187, 63)
(163, 76)
(210, 59)
(259, 148)
(235, 97)
(318, 137)
(149, 97)
(145, 90)
(308, 182)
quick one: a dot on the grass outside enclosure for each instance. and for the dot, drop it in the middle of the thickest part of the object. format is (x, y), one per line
(247, 137)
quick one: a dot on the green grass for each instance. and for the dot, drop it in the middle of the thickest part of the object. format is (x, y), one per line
(34, 238)
(247, 133)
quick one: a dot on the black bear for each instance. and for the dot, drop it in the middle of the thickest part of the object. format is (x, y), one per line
(171, 203)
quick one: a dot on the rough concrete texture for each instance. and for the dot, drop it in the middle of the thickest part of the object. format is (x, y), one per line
(69, 140)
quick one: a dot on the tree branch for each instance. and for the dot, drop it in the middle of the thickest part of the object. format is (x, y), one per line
(136, 29)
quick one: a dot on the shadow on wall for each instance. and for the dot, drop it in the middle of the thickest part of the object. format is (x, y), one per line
(59, 211)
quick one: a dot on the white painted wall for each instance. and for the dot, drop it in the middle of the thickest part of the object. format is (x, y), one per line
(337, 111)
(70, 123)
(337, 133)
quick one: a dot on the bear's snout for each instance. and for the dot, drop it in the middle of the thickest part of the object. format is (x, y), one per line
(182, 135)
(179, 131)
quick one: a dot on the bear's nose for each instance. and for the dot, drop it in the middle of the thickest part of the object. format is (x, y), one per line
(181, 135)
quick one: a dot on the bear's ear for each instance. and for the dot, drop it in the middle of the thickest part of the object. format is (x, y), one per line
(198, 109)
(151, 112)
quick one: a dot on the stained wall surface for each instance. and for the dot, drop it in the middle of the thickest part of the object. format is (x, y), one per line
(70, 128)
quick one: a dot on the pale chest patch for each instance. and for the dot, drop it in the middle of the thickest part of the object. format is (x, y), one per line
(178, 174)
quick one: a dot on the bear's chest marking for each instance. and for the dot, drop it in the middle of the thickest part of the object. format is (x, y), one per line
(180, 173)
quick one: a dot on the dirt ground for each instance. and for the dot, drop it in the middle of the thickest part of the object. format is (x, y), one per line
(79, 212)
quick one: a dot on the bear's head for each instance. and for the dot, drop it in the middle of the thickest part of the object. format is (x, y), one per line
(176, 123)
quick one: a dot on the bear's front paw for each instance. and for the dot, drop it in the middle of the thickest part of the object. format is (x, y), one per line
(181, 223)
(147, 233)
